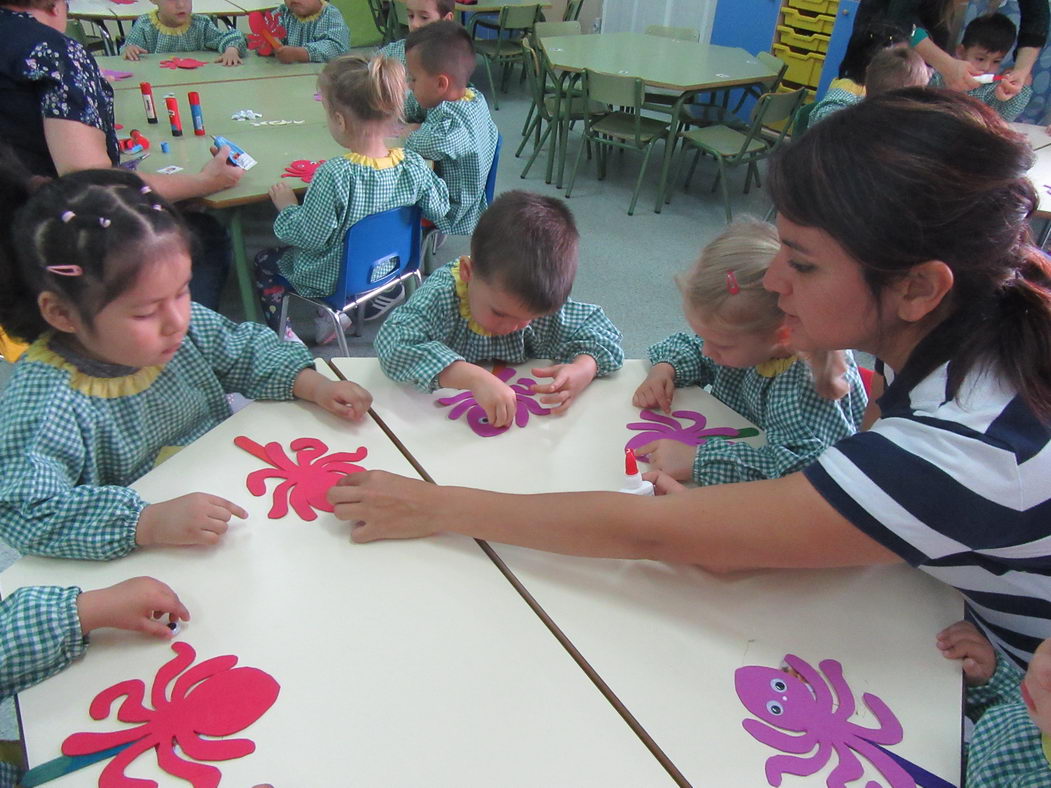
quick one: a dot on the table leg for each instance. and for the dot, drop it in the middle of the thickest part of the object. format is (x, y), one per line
(567, 93)
(249, 301)
(556, 140)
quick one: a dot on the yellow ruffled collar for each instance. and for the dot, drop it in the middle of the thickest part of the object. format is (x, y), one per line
(103, 388)
(775, 366)
(394, 157)
(169, 31)
(1045, 745)
(316, 15)
(468, 95)
(465, 306)
(847, 85)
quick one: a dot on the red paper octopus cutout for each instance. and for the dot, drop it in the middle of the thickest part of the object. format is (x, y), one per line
(182, 62)
(302, 169)
(212, 699)
(306, 481)
(266, 34)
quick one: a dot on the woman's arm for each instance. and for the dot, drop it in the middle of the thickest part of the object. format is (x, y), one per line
(956, 73)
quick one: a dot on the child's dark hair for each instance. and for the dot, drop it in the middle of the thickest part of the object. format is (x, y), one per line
(896, 182)
(897, 67)
(444, 47)
(864, 43)
(370, 90)
(526, 244)
(991, 32)
(84, 236)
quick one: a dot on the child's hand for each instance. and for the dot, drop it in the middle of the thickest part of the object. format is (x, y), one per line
(197, 518)
(282, 196)
(292, 54)
(1009, 86)
(230, 57)
(963, 641)
(657, 389)
(568, 381)
(139, 604)
(663, 484)
(496, 398)
(674, 458)
(132, 52)
(346, 399)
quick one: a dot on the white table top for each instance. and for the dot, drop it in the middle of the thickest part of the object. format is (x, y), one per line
(399, 664)
(104, 10)
(1036, 135)
(1040, 175)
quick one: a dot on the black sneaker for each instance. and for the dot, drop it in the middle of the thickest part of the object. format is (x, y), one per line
(384, 302)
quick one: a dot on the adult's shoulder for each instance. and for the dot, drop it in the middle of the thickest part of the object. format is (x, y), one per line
(24, 36)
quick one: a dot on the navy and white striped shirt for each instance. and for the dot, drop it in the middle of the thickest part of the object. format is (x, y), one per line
(960, 488)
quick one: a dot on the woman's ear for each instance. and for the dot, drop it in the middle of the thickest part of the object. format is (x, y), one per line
(57, 312)
(922, 290)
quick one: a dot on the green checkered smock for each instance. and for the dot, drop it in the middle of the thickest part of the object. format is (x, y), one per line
(1008, 110)
(199, 33)
(345, 190)
(460, 138)
(395, 49)
(413, 112)
(41, 636)
(324, 35)
(1007, 749)
(779, 398)
(71, 440)
(429, 332)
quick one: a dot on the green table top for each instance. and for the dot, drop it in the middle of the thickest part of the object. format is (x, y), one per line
(148, 69)
(660, 62)
(105, 9)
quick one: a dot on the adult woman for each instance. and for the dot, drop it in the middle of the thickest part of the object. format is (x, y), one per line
(903, 224)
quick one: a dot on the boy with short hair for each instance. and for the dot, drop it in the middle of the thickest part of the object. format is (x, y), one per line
(314, 32)
(173, 27)
(509, 301)
(986, 42)
(421, 13)
(891, 68)
(458, 134)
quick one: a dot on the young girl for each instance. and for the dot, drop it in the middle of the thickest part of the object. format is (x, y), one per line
(363, 99)
(122, 370)
(739, 349)
(173, 27)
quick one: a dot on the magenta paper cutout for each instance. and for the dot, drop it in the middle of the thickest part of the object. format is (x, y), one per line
(123, 2)
(306, 481)
(210, 700)
(266, 33)
(116, 76)
(660, 427)
(303, 169)
(182, 62)
(465, 402)
(807, 706)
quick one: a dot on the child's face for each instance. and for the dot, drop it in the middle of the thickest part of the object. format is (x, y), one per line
(981, 59)
(494, 309)
(422, 13)
(174, 13)
(731, 347)
(1036, 687)
(302, 8)
(429, 89)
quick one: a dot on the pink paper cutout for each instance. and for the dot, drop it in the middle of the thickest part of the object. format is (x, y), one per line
(116, 76)
(306, 481)
(660, 427)
(123, 2)
(464, 402)
(807, 706)
(302, 169)
(266, 33)
(211, 699)
(182, 62)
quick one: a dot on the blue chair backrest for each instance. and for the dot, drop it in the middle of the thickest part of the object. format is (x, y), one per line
(377, 250)
(490, 179)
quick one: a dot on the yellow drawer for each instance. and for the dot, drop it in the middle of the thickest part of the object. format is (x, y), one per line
(808, 22)
(804, 68)
(816, 6)
(813, 42)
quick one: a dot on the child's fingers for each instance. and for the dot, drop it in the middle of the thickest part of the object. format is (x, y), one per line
(155, 628)
(643, 452)
(228, 508)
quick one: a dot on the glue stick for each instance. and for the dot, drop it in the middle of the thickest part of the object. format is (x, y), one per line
(147, 99)
(173, 114)
(636, 485)
(196, 114)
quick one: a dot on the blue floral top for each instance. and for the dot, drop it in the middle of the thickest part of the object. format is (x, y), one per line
(45, 74)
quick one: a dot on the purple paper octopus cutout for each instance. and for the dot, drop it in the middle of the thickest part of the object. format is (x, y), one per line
(660, 427)
(798, 715)
(464, 402)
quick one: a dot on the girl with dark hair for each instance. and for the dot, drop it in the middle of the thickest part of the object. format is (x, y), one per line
(897, 238)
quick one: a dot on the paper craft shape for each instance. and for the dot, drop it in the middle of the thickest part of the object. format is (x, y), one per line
(116, 76)
(660, 427)
(210, 700)
(182, 62)
(280, 123)
(816, 715)
(123, 2)
(306, 481)
(266, 34)
(245, 114)
(465, 402)
(302, 169)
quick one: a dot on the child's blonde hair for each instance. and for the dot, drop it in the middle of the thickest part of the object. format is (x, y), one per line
(369, 90)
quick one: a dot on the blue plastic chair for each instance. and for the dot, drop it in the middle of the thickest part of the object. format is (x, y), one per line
(379, 251)
(432, 240)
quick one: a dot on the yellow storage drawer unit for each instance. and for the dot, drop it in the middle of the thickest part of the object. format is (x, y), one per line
(810, 23)
(815, 6)
(811, 42)
(804, 68)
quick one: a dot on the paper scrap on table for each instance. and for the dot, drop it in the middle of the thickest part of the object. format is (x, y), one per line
(115, 76)
(171, 169)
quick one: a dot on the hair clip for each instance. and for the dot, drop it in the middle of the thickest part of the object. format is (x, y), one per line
(67, 217)
(145, 190)
(65, 270)
(157, 206)
(731, 283)
(104, 222)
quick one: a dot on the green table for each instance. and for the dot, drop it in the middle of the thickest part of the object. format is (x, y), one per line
(101, 11)
(686, 67)
(148, 69)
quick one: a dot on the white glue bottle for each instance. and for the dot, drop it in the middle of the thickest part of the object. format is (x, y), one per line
(636, 484)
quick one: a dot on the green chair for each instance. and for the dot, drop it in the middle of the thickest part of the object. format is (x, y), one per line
(627, 128)
(514, 23)
(399, 19)
(678, 33)
(542, 30)
(732, 147)
(802, 119)
(358, 15)
(658, 100)
(381, 14)
(572, 12)
(716, 108)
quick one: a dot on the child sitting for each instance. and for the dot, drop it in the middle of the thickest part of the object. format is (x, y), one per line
(314, 32)
(738, 349)
(891, 68)
(509, 300)
(458, 134)
(1011, 712)
(122, 371)
(986, 42)
(363, 99)
(173, 27)
(421, 13)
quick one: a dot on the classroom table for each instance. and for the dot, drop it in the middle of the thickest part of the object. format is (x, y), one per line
(1036, 135)
(399, 664)
(1040, 175)
(148, 69)
(101, 11)
(686, 67)
(667, 639)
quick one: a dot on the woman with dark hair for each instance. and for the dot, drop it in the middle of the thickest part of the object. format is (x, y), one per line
(899, 239)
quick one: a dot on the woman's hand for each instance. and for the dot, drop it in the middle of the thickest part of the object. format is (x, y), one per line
(219, 173)
(382, 505)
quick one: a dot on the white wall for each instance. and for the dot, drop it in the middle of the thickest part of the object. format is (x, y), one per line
(634, 15)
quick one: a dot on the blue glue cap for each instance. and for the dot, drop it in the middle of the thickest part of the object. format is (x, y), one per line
(165, 147)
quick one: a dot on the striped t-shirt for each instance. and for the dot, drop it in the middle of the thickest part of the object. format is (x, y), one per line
(960, 488)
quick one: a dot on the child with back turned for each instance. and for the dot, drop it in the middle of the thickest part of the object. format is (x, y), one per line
(738, 348)
(315, 32)
(173, 27)
(507, 301)
(890, 68)
(122, 371)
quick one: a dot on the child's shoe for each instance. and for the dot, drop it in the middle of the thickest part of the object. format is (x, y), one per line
(323, 331)
(385, 302)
